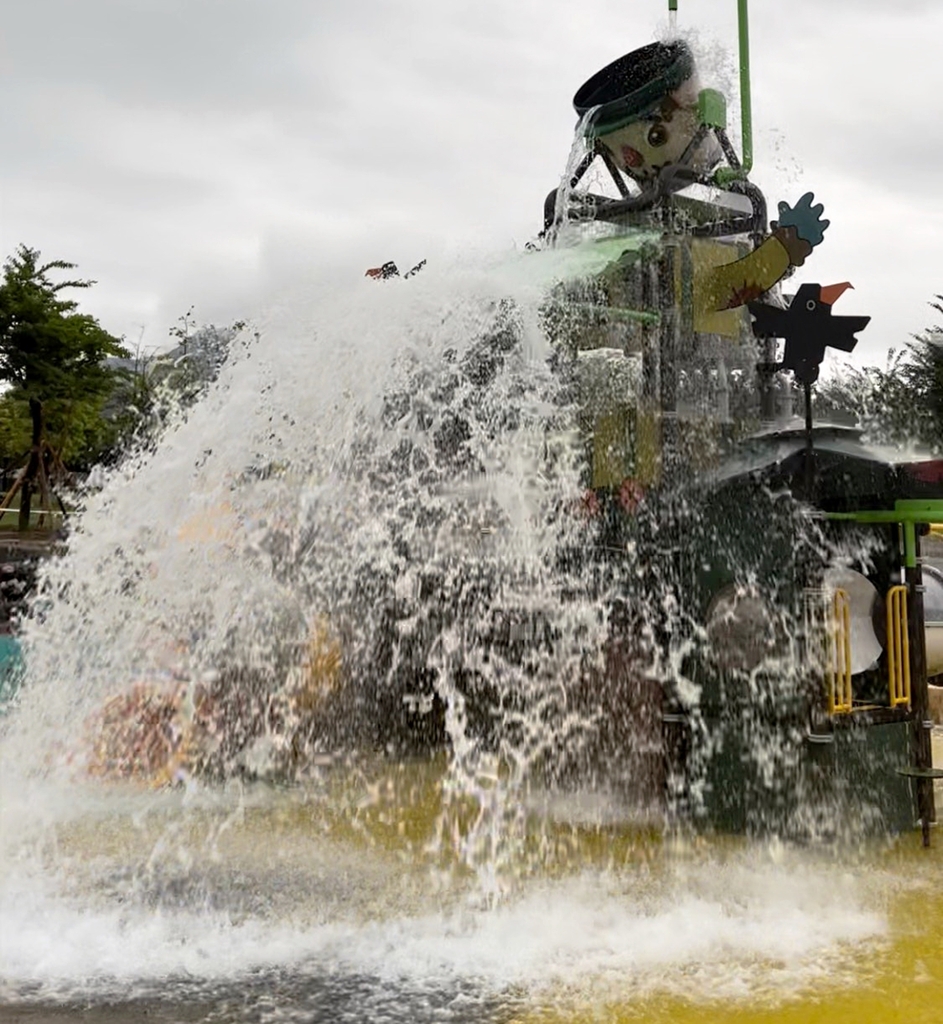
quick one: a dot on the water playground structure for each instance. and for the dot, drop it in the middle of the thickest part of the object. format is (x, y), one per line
(811, 618)
(693, 280)
(731, 620)
(495, 651)
(675, 275)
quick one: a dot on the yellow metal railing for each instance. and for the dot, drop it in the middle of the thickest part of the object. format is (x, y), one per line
(838, 657)
(898, 647)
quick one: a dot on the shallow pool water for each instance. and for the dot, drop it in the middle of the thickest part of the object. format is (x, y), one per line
(372, 893)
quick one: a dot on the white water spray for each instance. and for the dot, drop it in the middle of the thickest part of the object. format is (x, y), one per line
(399, 469)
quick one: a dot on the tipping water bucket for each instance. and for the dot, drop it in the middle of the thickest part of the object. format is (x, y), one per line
(643, 109)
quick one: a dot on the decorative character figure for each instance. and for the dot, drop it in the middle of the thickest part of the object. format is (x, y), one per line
(644, 114)
(390, 269)
(730, 285)
(674, 299)
(808, 328)
(384, 272)
(642, 110)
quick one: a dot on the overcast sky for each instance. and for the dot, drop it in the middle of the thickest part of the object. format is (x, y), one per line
(207, 152)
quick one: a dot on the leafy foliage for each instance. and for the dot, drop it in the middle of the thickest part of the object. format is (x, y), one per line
(51, 352)
(901, 403)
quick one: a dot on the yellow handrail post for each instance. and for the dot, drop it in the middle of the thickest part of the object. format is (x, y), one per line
(898, 647)
(838, 664)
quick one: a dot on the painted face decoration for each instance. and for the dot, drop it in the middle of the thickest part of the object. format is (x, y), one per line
(658, 139)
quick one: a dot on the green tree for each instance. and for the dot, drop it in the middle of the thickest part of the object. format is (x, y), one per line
(900, 403)
(53, 361)
(924, 375)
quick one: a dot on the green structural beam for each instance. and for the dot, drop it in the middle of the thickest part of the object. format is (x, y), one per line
(907, 513)
(905, 510)
(618, 313)
(725, 175)
(746, 102)
(746, 97)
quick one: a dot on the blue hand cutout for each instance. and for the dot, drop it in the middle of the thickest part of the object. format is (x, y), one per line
(805, 218)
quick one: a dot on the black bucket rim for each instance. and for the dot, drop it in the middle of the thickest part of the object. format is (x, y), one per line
(629, 87)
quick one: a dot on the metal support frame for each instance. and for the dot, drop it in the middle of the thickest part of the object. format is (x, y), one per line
(908, 514)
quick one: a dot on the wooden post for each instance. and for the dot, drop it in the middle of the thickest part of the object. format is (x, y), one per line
(33, 466)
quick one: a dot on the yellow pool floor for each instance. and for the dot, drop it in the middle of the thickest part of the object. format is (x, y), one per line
(605, 921)
(895, 980)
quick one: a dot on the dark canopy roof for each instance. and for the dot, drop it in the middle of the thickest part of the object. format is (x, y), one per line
(848, 473)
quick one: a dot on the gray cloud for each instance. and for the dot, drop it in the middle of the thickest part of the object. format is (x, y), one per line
(217, 53)
(203, 151)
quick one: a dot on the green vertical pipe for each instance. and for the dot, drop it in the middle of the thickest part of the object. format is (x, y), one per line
(746, 108)
(746, 102)
(910, 544)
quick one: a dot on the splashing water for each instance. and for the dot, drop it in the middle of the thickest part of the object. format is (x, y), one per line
(332, 480)
(365, 544)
